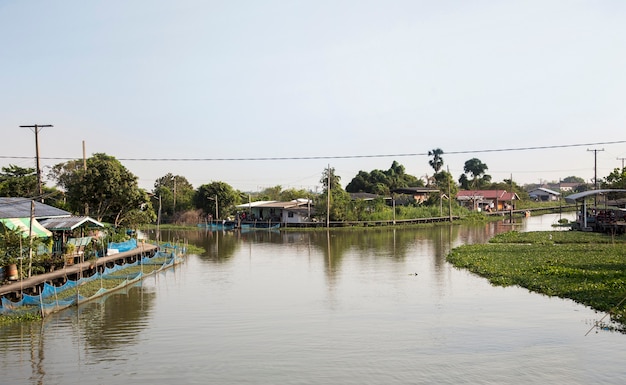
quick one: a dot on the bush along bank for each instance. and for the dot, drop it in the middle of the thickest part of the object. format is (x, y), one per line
(589, 268)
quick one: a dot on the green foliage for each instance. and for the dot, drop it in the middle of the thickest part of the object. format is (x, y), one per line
(176, 194)
(437, 161)
(616, 179)
(573, 179)
(340, 202)
(18, 182)
(19, 317)
(12, 245)
(227, 198)
(589, 268)
(106, 190)
(475, 169)
(270, 193)
(382, 182)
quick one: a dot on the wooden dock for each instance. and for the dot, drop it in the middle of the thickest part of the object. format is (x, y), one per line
(33, 285)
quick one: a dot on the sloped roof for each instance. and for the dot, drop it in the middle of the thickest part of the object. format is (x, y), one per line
(69, 223)
(414, 190)
(20, 208)
(274, 204)
(364, 196)
(23, 224)
(545, 190)
(501, 195)
(582, 195)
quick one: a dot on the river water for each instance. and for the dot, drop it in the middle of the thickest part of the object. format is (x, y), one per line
(346, 307)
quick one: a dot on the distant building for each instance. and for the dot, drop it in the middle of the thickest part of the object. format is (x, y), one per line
(544, 194)
(295, 211)
(487, 200)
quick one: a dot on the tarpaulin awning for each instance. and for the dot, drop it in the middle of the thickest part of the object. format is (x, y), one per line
(23, 224)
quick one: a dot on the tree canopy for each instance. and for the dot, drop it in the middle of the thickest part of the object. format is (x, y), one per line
(339, 199)
(437, 161)
(382, 182)
(218, 195)
(106, 190)
(176, 194)
(18, 182)
(475, 169)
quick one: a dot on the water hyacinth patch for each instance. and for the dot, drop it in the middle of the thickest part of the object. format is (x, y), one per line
(588, 268)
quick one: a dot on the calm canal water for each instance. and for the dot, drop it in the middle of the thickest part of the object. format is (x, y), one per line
(307, 308)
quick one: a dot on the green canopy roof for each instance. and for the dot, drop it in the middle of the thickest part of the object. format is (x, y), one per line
(23, 224)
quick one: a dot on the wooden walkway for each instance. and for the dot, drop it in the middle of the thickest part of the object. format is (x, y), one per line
(79, 268)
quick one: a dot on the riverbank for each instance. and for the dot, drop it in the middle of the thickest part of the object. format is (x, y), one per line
(589, 268)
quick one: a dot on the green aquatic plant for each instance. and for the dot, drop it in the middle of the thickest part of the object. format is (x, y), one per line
(588, 268)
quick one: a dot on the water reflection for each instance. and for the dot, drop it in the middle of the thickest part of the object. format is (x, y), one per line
(319, 307)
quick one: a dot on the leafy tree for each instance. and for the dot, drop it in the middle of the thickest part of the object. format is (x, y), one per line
(382, 182)
(292, 194)
(227, 197)
(573, 179)
(12, 245)
(475, 168)
(437, 161)
(106, 190)
(18, 182)
(445, 183)
(271, 193)
(339, 209)
(176, 194)
(615, 180)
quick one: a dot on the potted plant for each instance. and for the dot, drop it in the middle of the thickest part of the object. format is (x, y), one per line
(11, 242)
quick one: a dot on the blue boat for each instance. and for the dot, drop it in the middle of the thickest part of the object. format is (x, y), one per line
(260, 226)
(217, 226)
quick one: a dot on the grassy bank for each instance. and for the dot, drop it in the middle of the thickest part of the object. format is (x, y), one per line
(589, 268)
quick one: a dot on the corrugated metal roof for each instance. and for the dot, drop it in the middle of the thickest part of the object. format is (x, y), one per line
(574, 197)
(20, 208)
(69, 223)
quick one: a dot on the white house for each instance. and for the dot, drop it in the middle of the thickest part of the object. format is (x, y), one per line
(295, 211)
(544, 194)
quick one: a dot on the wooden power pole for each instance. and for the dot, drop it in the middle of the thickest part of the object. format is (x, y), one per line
(36, 128)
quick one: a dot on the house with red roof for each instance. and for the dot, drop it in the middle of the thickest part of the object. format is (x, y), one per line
(487, 200)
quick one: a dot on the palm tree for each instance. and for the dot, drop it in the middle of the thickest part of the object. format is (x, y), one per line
(437, 161)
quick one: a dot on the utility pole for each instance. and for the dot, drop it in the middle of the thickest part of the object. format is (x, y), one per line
(37, 127)
(595, 168)
(328, 198)
(84, 175)
(595, 174)
(449, 195)
(622, 159)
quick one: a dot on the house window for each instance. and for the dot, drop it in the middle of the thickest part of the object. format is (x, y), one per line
(290, 214)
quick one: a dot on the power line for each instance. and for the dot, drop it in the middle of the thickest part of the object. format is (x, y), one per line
(511, 149)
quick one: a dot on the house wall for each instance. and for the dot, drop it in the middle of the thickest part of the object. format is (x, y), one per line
(543, 196)
(292, 217)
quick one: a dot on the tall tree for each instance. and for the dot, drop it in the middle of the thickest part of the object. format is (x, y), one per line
(382, 182)
(339, 198)
(476, 169)
(18, 182)
(176, 193)
(218, 196)
(437, 161)
(106, 190)
(271, 193)
(573, 179)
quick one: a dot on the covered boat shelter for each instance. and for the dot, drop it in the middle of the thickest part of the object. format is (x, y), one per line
(582, 197)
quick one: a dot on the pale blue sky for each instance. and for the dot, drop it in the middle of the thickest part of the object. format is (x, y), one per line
(262, 79)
